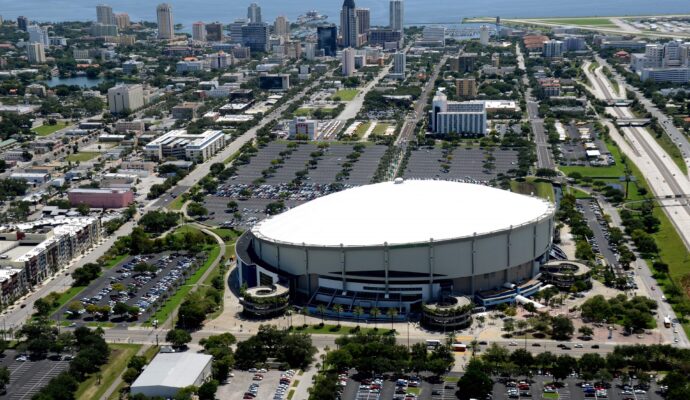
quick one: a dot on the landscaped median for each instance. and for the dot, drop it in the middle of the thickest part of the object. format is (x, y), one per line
(97, 384)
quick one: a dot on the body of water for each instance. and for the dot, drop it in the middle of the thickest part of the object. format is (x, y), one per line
(80, 81)
(416, 11)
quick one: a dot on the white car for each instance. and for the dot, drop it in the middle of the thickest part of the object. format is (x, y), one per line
(512, 344)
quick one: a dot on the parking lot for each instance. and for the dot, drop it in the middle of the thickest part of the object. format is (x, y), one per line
(244, 385)
(28, 377)
(573, 389)
(144, 289)
(271, 176)
(467, 164)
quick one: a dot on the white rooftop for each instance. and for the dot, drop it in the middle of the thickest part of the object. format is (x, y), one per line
(410, 212)
(173, 370)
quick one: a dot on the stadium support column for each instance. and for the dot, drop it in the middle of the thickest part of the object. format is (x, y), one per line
(508, 244)
(474, 242)
(343, 267)
(306, 265)
(385, 265)
(431, 268)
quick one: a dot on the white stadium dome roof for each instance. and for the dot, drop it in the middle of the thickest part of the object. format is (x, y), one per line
(400, 213)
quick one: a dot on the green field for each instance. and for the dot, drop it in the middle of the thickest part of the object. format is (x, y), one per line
(672, 150)
(66, 297)
(82, 156)
(380, 129)
(529, 186)
(175, 300)
(308, 112)
(596, 22)
(346, 94)
(362, 129)
(176, 205)
(614, 171)
(45, 130)
(95, 386)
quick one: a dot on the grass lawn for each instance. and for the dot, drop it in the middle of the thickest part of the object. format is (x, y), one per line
(415, 390)
(579, 194)
(328, 329)
(594, 65)
(303, 112)
(380, 129)
(229, 236)
(598, 22)
(175, 300)
(149, 354)
(549, 395)
(529, 186)
(451, 378)
(672, 150)
(119, 357)
(176, 205)
(346, 94)
(290, 394)
(115, 260)
(45, 130)
(67, 296)
(308, 112)
(362, 129)
(82, 156)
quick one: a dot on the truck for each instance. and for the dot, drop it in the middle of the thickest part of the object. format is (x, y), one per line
(667, 321)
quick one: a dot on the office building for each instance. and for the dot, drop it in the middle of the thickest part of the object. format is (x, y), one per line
(550, 87)
(125, 98)
(22, 23)
(274, 82)
(199, 31)
(385, 37)
(36, 53)
(100, 30)
(219, 60)
(433, 36)
(236, 30)
(254, 14)
(256, 37)
(553, 48)
(464, 118)
(101, 198)
(38, 34)
(281, 26)
(104, 14)
(327, 39)
(496, 60)
(396, 15)
(484, 35)
(348, 61)
(214, 32)
(301, 126)
(185, 111)
(464, 63)
(122, 21)
(166, 24)
(190, 66)
(574, 43)
(168, 373)
(349, 31)
(669, 62)
(363, 20)
(182, 145)
(399, 64)
(131, 66)
(466, 88)
(310, 51)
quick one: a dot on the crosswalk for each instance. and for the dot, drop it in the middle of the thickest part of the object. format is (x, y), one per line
(363, 393)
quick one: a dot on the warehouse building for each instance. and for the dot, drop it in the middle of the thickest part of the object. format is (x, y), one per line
(169, 372)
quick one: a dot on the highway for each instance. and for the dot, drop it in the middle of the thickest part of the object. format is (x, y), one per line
(544, 154)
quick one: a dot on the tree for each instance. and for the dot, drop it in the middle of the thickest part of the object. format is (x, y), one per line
(475, 383)
(358, 312)
(375, 312)
(590, 364)
(207, 391)
(130, 375)
(561, 327)
(42, 307)
(322, 310)
(338, 308)
(120, 308)
(586, 331)
(563, 366)
(178, 337)
(83, 209)
(232, 206)
(196, 210)
(392, 313)
(4, 377)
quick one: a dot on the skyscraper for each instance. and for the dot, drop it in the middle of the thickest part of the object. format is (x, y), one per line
(348, 24)
(281, 26)
(327, 39)
(396, 15)
(399, 64)
(484, 35)
(254, 13)
(104, 14)
(166, 25)
(214, 32)
(122, 21)
(255, 36)
(22, 23)
(36, 54)
(363, 20)
(38, 34)
(348, 61)
(199, 31)
(236, 30)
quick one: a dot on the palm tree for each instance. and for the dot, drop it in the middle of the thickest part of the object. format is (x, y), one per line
(392, 313)
(375, 312)
(358, 312)
(338, 309)
(474, 345)
(305, 312)
(289, 311)
(322, 310)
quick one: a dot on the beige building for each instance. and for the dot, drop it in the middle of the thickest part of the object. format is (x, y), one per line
(36, 53)
(466, 88)
(125, 98)
(166, 25)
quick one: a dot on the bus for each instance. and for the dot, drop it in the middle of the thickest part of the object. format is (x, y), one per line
(433, 343)
(459, 347)
(667, 321)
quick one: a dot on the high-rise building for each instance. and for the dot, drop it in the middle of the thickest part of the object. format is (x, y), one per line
(348, 24)
(166, 25)
(553, 48)
(199, 31)
(22, 23)
(214, 32)
(122, 21)
(384, 37)
(36, 53)
(104, 14)
(399, 64)
(101, 30)
(496, 60)
(466, 88)
(310, 51)
(38, 34)
(255, 36)
(220, 60)
(254, 13)
(125, 98)
(281, 27)
(301, 126)
(396, 15)
(327, 39)
(348, 61)
(236, 30)
(484, 35)
(464, 118)
(363, 20)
